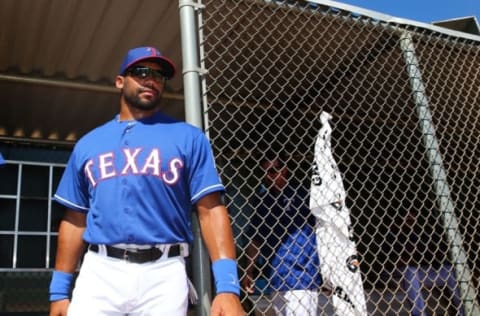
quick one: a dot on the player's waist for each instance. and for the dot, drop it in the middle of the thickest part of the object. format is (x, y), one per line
(141, 253)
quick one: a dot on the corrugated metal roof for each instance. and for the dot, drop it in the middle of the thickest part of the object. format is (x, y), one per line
(59, 59)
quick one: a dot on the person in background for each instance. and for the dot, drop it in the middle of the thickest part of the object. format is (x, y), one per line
(282, 232)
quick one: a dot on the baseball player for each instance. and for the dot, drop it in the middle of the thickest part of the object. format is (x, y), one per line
(336, 249)
(129, 187)
(282, 230)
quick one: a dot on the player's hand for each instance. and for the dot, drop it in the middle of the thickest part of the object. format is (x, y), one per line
(227, 304)
(59, 308)
(248, 284)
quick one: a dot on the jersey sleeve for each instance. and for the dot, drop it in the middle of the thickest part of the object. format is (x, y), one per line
(72, 190)
(203, 175)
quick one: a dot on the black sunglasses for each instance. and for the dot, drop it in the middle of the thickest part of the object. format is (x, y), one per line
(143, 72)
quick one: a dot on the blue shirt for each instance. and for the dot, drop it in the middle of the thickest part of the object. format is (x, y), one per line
(2, 161)
(137, 181)
(284, 227)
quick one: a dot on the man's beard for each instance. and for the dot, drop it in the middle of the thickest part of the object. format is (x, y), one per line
(135, 101)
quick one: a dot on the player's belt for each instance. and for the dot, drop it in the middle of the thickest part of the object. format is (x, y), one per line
(137, 255)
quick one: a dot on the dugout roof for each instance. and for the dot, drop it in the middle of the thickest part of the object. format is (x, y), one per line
(59, 59)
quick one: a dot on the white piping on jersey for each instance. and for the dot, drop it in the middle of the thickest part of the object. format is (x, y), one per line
(70, 203)
(206, 189)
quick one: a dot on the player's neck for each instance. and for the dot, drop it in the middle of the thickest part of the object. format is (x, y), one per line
(129, 113)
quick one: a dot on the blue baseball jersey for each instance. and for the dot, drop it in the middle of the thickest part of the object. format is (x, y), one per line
(284, 227)
(137, 181)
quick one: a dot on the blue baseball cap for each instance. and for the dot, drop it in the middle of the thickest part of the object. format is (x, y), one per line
(138, 54)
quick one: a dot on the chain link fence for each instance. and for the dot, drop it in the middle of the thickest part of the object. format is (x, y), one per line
(405, 108)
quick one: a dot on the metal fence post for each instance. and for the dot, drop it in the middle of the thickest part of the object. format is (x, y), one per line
(193, 115)
(441, 187)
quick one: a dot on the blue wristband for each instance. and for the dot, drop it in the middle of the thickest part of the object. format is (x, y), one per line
(60, 285)
(226, 276)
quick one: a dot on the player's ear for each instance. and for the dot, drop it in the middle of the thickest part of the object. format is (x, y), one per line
(119, 82)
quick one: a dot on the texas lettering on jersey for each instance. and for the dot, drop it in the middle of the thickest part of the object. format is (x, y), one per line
(106, 166)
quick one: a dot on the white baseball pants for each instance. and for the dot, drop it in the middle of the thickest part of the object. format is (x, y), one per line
(295, 303)
(113, 287)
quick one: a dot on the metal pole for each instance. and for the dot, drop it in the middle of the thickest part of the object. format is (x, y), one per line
(442, 191)
(193, 115)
